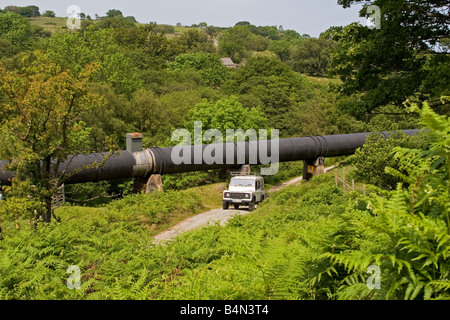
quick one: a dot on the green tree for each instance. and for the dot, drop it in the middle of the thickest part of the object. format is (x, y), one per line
(114, 117)
(239, 42)
(282, 48)
(376, 154)
(333, 33)
(194, 40)
(49, 14)
(116, 22)
(312, 56)
(405, 232)
(114, 13)
(226, 114)
(30, 11)
(15, 28)
(264, 64)
(148, 113)
(387, 65)
(266, 82)
(15, 9)
(7, 49)
(291, 35)
(74, 50)
(40, 122)
(209, 66)
(146, 46)
(178, 105)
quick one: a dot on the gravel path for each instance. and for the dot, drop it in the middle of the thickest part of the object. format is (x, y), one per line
(197, 221)
(213, 216)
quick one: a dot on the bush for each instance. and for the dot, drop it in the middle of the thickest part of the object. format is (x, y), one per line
(156, 208)
(207, 64)
(377, 154)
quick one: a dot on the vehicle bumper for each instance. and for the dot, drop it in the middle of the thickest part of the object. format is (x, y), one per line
(237, 201)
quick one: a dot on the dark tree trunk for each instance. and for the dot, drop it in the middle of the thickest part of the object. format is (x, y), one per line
(47, 214)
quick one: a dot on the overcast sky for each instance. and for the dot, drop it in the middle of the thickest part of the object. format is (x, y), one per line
(304, 16)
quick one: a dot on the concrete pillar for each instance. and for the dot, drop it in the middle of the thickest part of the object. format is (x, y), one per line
(134, 142)
(154, 183)
(320, 166)
(312, 168)
(148, 185)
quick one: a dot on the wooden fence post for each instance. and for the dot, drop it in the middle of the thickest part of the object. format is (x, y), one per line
(343, 179)
(336, 177)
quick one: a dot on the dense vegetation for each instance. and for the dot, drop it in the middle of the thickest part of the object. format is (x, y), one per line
(310, 241)
(69, 92)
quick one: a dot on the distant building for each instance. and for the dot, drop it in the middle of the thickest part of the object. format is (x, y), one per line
(227, 62)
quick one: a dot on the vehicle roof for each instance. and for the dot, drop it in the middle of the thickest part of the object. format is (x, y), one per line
(246, 177)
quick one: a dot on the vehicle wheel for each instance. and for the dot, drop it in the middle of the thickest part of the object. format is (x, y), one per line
(225, 205)
(251, 206)
(236, 206)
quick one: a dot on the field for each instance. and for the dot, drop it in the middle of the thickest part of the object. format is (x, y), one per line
(49, 24)
(58, 24)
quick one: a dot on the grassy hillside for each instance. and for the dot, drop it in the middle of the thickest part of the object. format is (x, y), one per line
(49, 24)
(274, 253)
(60, 23)
(309, 241)
(112, 247)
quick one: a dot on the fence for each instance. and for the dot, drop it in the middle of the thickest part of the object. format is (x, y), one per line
(345, 185)
(59, 198)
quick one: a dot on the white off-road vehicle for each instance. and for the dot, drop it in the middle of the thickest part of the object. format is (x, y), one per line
(244, 190)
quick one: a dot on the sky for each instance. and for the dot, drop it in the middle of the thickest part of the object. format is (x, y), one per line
(304, 16)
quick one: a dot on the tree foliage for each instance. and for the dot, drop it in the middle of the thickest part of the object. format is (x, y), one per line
(209, 66)
(308, 241)
(411, 225)
(195, 41)
(49, 14)
(376, 154)
(239, 42)
(15, 28)
(74, 51)
(312, 56)
(226, 114)
(41, 123)
(380, 67)
(266, 82)
(28, 11)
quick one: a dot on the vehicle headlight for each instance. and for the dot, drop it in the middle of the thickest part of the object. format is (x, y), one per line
(227, 194)
(247, 195)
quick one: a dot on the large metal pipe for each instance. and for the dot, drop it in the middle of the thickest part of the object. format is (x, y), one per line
(125, 164)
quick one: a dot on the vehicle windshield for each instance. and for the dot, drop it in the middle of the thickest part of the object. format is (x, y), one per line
(242, 183)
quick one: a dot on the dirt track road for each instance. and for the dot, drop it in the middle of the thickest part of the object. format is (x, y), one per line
(200, 220)
(212, 217)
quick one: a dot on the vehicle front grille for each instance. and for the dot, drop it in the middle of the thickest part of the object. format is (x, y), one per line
(235, 195)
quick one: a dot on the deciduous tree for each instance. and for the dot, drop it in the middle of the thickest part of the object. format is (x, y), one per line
(312, 56)
(209, 66)
(40, 123)
(389, 65)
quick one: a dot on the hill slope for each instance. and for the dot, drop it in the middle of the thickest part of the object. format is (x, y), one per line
(271, 253)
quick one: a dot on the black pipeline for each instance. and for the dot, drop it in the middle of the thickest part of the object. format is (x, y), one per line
(142, 164)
